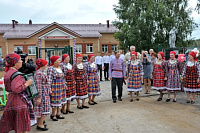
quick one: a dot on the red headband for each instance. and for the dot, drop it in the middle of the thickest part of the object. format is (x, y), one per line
(172, 52)
(53, 59)
(162, 54)
(89, 56)
(40, 63)
(64, 56)
(135, 53)
(193, 54)
(11, 60)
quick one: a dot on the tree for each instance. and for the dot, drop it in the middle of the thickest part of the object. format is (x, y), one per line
(146, 23)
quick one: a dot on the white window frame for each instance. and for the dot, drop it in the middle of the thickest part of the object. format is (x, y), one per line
(79, 48)
(32, 48)
(114, 48)
(88, 46)
(15, 48)
(104, 48)
(60, 53)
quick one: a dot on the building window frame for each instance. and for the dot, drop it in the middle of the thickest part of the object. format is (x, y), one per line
(78, 48)
(0, 51)
(15, 48)
(104, 48)
(89, 48)
(32, 50)
(114, 47)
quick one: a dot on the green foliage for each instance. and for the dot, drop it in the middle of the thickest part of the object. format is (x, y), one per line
(146, 23)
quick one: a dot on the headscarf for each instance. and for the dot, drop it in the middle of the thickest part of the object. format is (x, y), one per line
(89, 56)
(193, 54)
(64, 56)
(172, 52)
(134, 53)
(40, 63)
(162, 54)
(78, 55)
(53, 59)
(11, 60)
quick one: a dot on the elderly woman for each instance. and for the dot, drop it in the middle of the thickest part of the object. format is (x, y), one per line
(93, 80)
(81, 81)
(58, 87)
(158, 75)
(42, 101)
(191, 75)
(134, 74)
(70, 82)
(173, 70)
(19, 110)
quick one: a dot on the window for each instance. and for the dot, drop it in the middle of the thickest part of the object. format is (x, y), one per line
(78, 48)
(20, 47)
(89, 48)
(31, 50)
(104, 48)
(114, 47)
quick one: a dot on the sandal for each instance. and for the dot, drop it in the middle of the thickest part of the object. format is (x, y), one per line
(167, 100)
(90, 103)
(60, 117)
(131, 100)
(69, 111)
(53, 117)
(174, 100)
(192, 102)
(159, 99)
(94, 102)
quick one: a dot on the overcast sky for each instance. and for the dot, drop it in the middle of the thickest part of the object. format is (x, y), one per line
(66, 11)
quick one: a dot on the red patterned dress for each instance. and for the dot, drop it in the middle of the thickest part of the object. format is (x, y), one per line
(81, 81)
(70, 80)
(173, 69)
(93, 79)
(58, 87)
(158, 75)
(191, 72)
(16, 113)
(43, 109)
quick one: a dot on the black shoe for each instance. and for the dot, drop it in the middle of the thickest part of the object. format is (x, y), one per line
(79, 107)
(120, 99)
(42, 129)
(53, 117)
(174, 100)
(86, 107)
(90, 103)
(94, 102)
(131, 100)
(159, 99)
(137, 99)
(114, 100)
(192, 102)
(188, 101)
(44, 122)
(64, 112)
(167, 100)
(60, 117)
(69, 111)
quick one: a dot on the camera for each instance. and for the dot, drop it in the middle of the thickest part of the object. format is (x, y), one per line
(144, 55)
(22, 55)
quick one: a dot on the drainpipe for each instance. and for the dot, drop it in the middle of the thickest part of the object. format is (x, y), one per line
(6, 46)
(98, 44)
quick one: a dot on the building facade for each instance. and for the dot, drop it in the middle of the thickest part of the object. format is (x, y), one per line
(88, 38)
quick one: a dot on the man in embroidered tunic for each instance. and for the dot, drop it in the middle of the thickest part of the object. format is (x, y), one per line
(117, 74)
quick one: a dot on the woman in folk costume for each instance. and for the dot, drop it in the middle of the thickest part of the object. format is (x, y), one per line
(93, 80)
(42, 101)
(58, 87)
(19, 109)
(158, 75)
(81, 81)
(191, 76)
(134, 75)
(69, 81)
(173, 70)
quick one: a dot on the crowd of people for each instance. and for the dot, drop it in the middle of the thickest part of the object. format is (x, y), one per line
(64, 82)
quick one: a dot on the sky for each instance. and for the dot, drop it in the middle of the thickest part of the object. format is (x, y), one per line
(66, 12)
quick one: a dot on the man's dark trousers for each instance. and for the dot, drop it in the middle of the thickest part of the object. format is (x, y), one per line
(116, 82)
(106, 65)
(100, 69)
